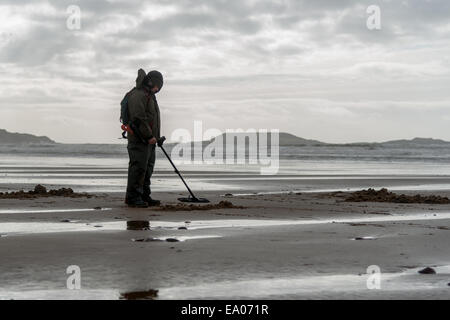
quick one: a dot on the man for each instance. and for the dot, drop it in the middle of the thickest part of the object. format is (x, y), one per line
(143, 112)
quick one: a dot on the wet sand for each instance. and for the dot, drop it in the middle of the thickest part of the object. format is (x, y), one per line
(285, 245)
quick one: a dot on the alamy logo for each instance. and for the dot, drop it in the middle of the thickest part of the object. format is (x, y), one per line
(74, 280)
(374, 20)
(240, 147)
(374, 280)
(73, 21)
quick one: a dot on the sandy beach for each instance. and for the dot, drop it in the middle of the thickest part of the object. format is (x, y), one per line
(283, 243)
(317, 130)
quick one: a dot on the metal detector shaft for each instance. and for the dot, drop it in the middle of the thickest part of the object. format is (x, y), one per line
(177, 172)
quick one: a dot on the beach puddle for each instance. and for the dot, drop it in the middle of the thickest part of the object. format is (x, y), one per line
(23, 228)
(418, 187)
(310, 286)
(13, 211)
(11, 228)
(364, 238)
(257, 223)
(175, 238)
(64, 294)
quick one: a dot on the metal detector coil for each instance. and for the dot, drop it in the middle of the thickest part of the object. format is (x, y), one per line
(192, 198)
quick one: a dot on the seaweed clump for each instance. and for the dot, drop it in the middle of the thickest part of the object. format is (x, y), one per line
(192, 207)
(140, 295)
(41, 191)
(383, 195)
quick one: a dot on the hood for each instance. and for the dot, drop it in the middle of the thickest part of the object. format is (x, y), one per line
(140, 78)
(156, 78)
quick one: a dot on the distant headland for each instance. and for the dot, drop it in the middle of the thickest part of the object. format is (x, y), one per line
(22, 138)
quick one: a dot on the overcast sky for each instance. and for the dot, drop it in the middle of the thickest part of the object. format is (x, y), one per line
(311, 68)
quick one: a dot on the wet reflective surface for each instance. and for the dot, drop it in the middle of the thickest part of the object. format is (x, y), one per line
(365, 238)
(12, 211)
(175, 238)
(308, 286)
(11, 228)
(175, 258)
(342, 286)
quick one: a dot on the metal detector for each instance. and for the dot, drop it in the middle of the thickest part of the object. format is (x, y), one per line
(192, 197)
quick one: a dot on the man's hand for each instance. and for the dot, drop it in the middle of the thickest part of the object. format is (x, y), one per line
(161, 141)
(152, 141)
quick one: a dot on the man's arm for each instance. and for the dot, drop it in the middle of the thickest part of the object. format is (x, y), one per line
(136, 108)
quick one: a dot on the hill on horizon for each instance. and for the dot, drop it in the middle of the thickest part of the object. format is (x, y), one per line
(417, 141)
(287, 139)
(22, 138)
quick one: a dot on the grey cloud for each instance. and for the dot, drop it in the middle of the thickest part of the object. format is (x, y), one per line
(221, 57)
(39, 45)
(222, 16)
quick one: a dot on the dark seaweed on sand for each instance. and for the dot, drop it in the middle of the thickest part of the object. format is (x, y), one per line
(383, 195)
(41, 191)
(139, 295)
(191, 207)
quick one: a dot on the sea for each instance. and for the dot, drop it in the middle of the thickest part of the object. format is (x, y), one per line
(103, 168)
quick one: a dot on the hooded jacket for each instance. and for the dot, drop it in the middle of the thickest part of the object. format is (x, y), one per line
(143, 110)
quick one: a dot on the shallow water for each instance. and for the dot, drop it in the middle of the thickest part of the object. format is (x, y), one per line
(18, 228)
(12, 211)
(244, 223)
(178, 238)
(300, 285)
(103, 168)
(416, 187)
(309, 286)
